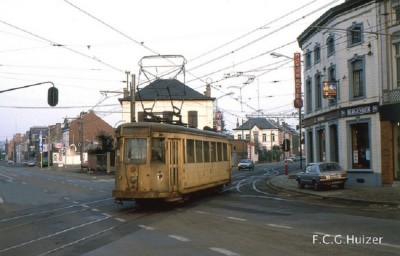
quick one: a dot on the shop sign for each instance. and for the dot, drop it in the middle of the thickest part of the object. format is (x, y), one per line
(298, 102)
(360, 110)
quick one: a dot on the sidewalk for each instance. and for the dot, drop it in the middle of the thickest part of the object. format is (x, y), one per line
(389, 196)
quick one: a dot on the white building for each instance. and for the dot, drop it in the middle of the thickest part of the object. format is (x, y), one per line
(165, 97)
(346, 47)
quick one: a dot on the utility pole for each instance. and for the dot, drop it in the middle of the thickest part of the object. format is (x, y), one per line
(81, 140)
(133, 119)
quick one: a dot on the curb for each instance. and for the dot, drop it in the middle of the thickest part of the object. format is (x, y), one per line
(298, 191)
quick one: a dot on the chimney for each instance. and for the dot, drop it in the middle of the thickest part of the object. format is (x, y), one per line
(207, 92)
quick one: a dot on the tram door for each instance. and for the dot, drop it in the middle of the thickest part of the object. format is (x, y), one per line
(173, 165)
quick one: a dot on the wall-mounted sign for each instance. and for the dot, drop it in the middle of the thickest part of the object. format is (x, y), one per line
(298, 102)
(329, 90)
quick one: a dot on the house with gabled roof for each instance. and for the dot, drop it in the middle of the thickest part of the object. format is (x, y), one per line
(169, 100)
(263, 135)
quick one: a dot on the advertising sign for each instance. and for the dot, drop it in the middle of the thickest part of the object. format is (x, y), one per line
(329, 90)
(298, 102)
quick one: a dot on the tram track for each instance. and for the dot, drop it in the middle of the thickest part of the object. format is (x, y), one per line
(48, 231)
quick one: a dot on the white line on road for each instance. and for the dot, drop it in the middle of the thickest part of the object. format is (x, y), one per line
(180, 238)
(8, 177)
(279, 226)
(1, 200)
(223, 251)
(146, 227)
(234, 218)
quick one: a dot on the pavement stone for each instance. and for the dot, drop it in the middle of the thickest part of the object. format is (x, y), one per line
(389, 196)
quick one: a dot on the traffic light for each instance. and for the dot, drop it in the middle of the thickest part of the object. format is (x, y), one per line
(52, 96)
(286, 145)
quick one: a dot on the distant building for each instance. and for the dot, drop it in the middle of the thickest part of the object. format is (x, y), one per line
(264, 135)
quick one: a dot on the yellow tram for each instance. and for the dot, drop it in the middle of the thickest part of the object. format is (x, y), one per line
(169, 162)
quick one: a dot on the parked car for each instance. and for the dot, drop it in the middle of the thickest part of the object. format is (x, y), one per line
(31, 163)
(288, 160)
(322, 174)
(246, 164)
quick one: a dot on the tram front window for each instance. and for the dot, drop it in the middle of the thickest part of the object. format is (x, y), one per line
(135, 151)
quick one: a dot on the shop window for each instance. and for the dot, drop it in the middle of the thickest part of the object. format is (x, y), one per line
(360, 146)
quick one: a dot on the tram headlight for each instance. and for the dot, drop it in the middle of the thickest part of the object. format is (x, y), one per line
(134, 179)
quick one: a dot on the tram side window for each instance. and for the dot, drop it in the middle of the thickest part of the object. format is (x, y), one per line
(135, 151)
(219, 151)
(158, 150)
(213, 152)
(190, 151)
(199, 151)
(225, 151)
(206, 148)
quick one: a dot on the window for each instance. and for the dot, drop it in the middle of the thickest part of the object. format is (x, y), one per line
(396, 64)
(239, 136)
(318, 91)
(213, 152)
(199, 151)
(357, 78)
(317, 53)
(330, 45)
(360, 147)
(192, 119)
(206, 149)
(225, 151)
(308, 59)
(135, 151)
(273, 137)
(354, 35)
(219, 151)
(247, 136)
(190, 151)
(308, 95)
(158, 150)
(264, 137)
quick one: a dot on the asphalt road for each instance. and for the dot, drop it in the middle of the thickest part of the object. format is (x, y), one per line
(47, 212)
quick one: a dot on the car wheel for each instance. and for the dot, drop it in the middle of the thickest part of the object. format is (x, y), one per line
(315, 186)
(341, 186)
(300, 185)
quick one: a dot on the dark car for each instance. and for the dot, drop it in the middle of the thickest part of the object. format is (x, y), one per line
(322, 174)
(246, 164)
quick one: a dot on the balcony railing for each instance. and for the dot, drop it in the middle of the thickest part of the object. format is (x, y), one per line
(391, 96)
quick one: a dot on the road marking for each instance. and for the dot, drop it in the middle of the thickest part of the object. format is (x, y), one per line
(1, 200)
(146, 227)
(119, 219)
(180, 238)
(8, 177)
(95, 210)
(223, 251)
(234, 218)
(279, 226)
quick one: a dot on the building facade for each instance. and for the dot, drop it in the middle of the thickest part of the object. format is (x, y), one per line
(166, 96)
(346, 72)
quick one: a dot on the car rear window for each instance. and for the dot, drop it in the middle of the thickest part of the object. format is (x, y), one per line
(330, 167)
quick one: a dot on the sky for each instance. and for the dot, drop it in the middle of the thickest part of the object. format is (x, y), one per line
(86, 47)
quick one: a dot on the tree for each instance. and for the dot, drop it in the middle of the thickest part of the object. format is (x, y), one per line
(106, 141)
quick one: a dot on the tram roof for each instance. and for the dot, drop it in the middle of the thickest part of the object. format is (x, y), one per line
(162, 127)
